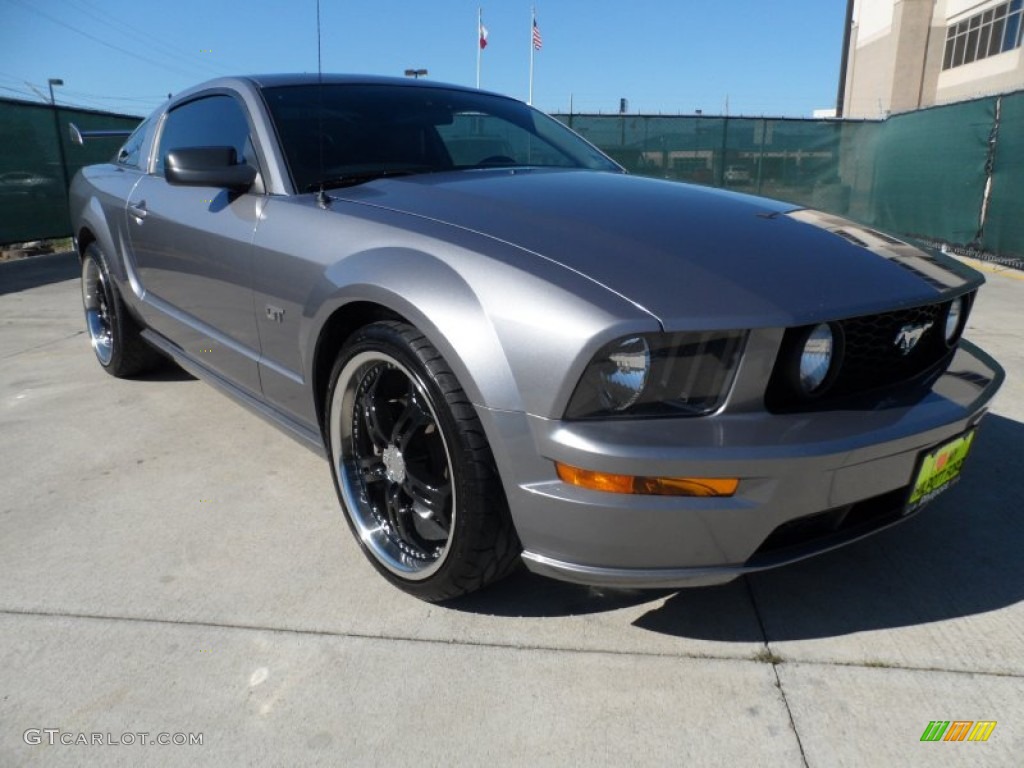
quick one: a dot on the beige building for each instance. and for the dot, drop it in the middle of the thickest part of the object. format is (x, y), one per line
(908, 54)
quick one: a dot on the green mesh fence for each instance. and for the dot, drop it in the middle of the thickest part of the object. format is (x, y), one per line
(33, 191)
(802, 161)
(930, 171)
(1004, 225)
(921, 173)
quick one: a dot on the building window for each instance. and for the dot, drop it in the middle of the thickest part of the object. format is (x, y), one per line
(985, 34)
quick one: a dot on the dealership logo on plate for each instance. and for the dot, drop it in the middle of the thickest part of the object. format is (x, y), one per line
(958, 730)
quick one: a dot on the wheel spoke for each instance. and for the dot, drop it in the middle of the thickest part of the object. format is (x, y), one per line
(412, 418)
(430, 529)
(371, 469)
(431, 505)
(372, 417)
(433, 497)
(398, 513)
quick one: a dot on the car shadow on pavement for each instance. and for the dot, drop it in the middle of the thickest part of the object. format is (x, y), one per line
(169, 371)
(961, 556)
(32, 272)
(526, 594)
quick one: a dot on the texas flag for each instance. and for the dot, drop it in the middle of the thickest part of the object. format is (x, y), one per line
(483, 36)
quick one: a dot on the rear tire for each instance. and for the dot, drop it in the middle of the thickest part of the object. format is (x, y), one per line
(413, 469)
(115, 336)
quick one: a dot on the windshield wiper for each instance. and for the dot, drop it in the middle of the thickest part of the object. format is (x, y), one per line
(361, 177)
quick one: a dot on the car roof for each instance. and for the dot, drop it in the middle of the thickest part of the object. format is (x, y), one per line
(269, 81)
(254, 83)
(278, 80)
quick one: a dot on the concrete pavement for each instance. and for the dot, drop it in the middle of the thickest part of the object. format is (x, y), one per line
(171, 564)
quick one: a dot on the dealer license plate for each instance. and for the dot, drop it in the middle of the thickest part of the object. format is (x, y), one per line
(938, 470)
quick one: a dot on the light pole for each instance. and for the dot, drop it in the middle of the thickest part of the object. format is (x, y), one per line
(416, 73)
(60, 142)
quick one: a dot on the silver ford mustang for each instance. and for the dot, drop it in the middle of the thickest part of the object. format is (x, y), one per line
(508, 349)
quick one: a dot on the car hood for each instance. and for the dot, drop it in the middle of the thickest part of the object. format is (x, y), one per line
(684, 253)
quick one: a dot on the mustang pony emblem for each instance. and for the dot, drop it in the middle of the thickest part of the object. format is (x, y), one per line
(909, 335)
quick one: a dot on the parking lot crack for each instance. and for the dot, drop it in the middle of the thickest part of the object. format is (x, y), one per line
(765, 655)
(50, 343)
(768, 655)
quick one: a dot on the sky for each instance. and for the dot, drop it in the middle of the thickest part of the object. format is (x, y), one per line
(747, 57)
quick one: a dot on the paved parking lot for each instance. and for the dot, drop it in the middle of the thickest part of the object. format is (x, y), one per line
(169, 564)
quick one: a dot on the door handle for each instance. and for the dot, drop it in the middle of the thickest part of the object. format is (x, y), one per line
(138, 210)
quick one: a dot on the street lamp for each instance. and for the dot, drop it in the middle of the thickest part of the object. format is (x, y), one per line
(60, 143)
(416, 73)
(52, 82)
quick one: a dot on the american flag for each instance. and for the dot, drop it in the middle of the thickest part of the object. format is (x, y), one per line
(538, 42)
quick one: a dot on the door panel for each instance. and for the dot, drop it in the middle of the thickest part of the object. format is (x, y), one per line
(193, 255)
(192, 246)
(285, 274)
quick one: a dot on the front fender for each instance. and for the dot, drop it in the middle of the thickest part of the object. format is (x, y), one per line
(516, 328)
(406, 282)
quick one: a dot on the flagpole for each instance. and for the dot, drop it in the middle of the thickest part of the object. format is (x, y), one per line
(479, 48)
(533, 21)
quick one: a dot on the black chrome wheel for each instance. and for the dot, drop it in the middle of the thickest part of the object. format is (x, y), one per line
(114, 335)
(413, 472)
(97, 301)
(394, 465)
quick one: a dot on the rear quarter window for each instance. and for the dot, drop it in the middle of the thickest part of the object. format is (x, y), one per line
(130, 153)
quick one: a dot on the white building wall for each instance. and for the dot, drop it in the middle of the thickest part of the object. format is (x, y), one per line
(894, 61)
(873, 19)
(954, 8)
(996, 74)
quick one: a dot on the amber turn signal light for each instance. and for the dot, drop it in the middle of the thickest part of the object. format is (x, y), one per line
(655, 486)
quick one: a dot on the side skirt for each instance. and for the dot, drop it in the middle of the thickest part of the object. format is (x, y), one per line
(302, 434)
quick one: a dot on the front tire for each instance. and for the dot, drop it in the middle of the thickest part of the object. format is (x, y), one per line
(413, 469)
(113, 333)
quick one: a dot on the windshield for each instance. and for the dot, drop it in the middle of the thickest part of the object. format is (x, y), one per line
(337, 135)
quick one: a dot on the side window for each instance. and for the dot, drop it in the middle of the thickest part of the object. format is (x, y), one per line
(130, 154)
(213, 121)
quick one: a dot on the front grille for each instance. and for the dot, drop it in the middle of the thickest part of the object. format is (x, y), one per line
(871, 358)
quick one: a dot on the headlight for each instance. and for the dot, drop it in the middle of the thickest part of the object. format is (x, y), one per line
(816, 358)
(664, 374)
(954, 318)
(616, 377)
(624, 379)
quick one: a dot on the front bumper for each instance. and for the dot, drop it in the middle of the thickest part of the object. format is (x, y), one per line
(809, 482)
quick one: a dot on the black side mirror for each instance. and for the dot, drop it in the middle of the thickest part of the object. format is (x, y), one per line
(208, 167)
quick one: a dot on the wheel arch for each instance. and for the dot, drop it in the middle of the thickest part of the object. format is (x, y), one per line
(403, 285)
(340, 325)
(84, 237)
(93, 227)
